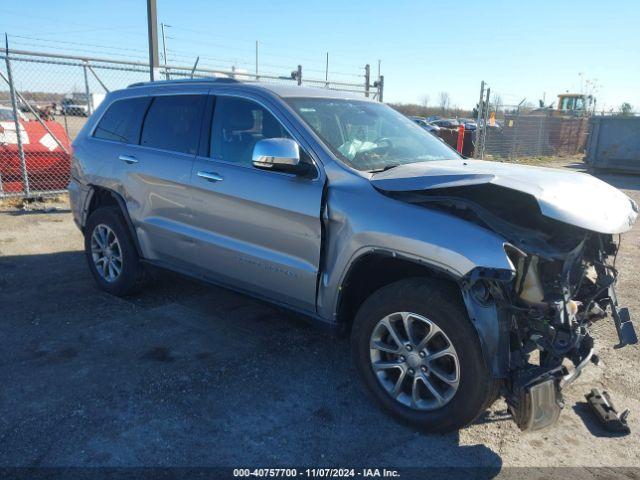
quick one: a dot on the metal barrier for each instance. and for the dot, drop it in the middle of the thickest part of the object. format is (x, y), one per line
(515, 131)
(45, 99)
(614, 143)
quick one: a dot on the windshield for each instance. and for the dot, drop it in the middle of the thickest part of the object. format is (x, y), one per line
(369, 136)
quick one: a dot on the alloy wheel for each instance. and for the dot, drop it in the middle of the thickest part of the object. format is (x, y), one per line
(106, 253)
(414, 361)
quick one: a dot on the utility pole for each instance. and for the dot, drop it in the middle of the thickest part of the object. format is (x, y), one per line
(367, 79)
(478, 119)
(256, 60)
(164, 50)
(483, 142)
(380, 86)
(152, 30)
(326, 72)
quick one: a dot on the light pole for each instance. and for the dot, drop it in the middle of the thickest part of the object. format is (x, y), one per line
(164, 50)
(152, 31)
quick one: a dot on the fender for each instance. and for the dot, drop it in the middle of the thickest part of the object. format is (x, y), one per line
(121, 205)
(489, 321)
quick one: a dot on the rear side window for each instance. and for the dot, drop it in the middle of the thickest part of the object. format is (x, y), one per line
(121, 122)
(173, 123)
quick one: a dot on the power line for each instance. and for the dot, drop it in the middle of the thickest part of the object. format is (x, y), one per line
(139, 53)
(262, 43)
(83, 44)
(66, 20)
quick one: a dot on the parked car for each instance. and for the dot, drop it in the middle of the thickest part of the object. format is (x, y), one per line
(71, 108)
(6, 114)
(447, 273)
(424, 124)
(446, 123)
(468, 123)
(77, 104)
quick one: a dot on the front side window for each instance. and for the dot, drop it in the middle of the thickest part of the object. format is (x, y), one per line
(121, 122)
(238, 124)
(369, 136)
(173, 123)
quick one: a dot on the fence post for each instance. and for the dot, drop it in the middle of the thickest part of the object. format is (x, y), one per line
(514, 137)
(367, 79)
(485, 121)
(16, 121)
(541, 125)
(66, 124)
(380, 88)
(86, 88)
(299, 75)
(476, 149)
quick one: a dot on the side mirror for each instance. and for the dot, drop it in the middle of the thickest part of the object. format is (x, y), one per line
(280, 154)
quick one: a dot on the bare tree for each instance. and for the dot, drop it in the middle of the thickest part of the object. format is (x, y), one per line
(445, 100)
(424, 101)
(496, 103)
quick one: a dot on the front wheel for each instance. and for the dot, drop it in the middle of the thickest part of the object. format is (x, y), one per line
(419, 356)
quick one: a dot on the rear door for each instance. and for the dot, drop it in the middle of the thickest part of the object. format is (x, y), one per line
(256, 230)
(155, 175)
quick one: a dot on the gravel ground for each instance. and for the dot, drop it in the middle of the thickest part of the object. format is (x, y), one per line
(188, 374)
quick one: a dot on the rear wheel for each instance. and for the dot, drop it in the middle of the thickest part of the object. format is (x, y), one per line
(419, 357)
(111, 254)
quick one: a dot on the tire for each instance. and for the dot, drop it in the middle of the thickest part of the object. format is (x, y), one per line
(131, 273)
(425, 299)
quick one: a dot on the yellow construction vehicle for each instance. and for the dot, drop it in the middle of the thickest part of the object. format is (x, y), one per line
(576, 104)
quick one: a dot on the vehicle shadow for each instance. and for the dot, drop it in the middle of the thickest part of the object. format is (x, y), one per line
(187, 374)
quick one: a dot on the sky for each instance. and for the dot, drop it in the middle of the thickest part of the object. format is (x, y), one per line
(522, 49)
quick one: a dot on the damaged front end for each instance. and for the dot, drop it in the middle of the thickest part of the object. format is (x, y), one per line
(554, 299)
(534, 322)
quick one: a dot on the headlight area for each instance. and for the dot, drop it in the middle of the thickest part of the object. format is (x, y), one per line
(549, 305)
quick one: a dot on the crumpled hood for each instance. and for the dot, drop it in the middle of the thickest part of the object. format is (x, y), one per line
(575, 198)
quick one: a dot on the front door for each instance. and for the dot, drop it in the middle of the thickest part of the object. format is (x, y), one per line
(256, 230)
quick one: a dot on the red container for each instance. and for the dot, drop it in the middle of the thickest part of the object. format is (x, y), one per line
(48, 165)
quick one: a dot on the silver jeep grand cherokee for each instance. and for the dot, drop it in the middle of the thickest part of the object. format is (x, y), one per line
(458, 280)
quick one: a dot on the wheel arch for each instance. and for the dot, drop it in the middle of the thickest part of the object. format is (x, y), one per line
(375, 269)
(99, 197)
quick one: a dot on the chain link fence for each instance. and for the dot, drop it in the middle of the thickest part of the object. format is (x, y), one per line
(45, 99)
(511, 132)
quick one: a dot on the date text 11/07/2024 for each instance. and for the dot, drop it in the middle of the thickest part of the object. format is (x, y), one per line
(317, 472)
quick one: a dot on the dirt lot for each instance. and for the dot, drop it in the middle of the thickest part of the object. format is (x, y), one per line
(188, 374)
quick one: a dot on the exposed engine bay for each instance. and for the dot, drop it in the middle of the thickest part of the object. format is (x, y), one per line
(563, 282)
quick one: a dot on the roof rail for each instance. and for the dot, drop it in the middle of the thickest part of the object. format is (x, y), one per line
(186, 80)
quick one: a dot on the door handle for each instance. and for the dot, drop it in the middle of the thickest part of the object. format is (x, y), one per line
(128, 158)
(210, 176)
